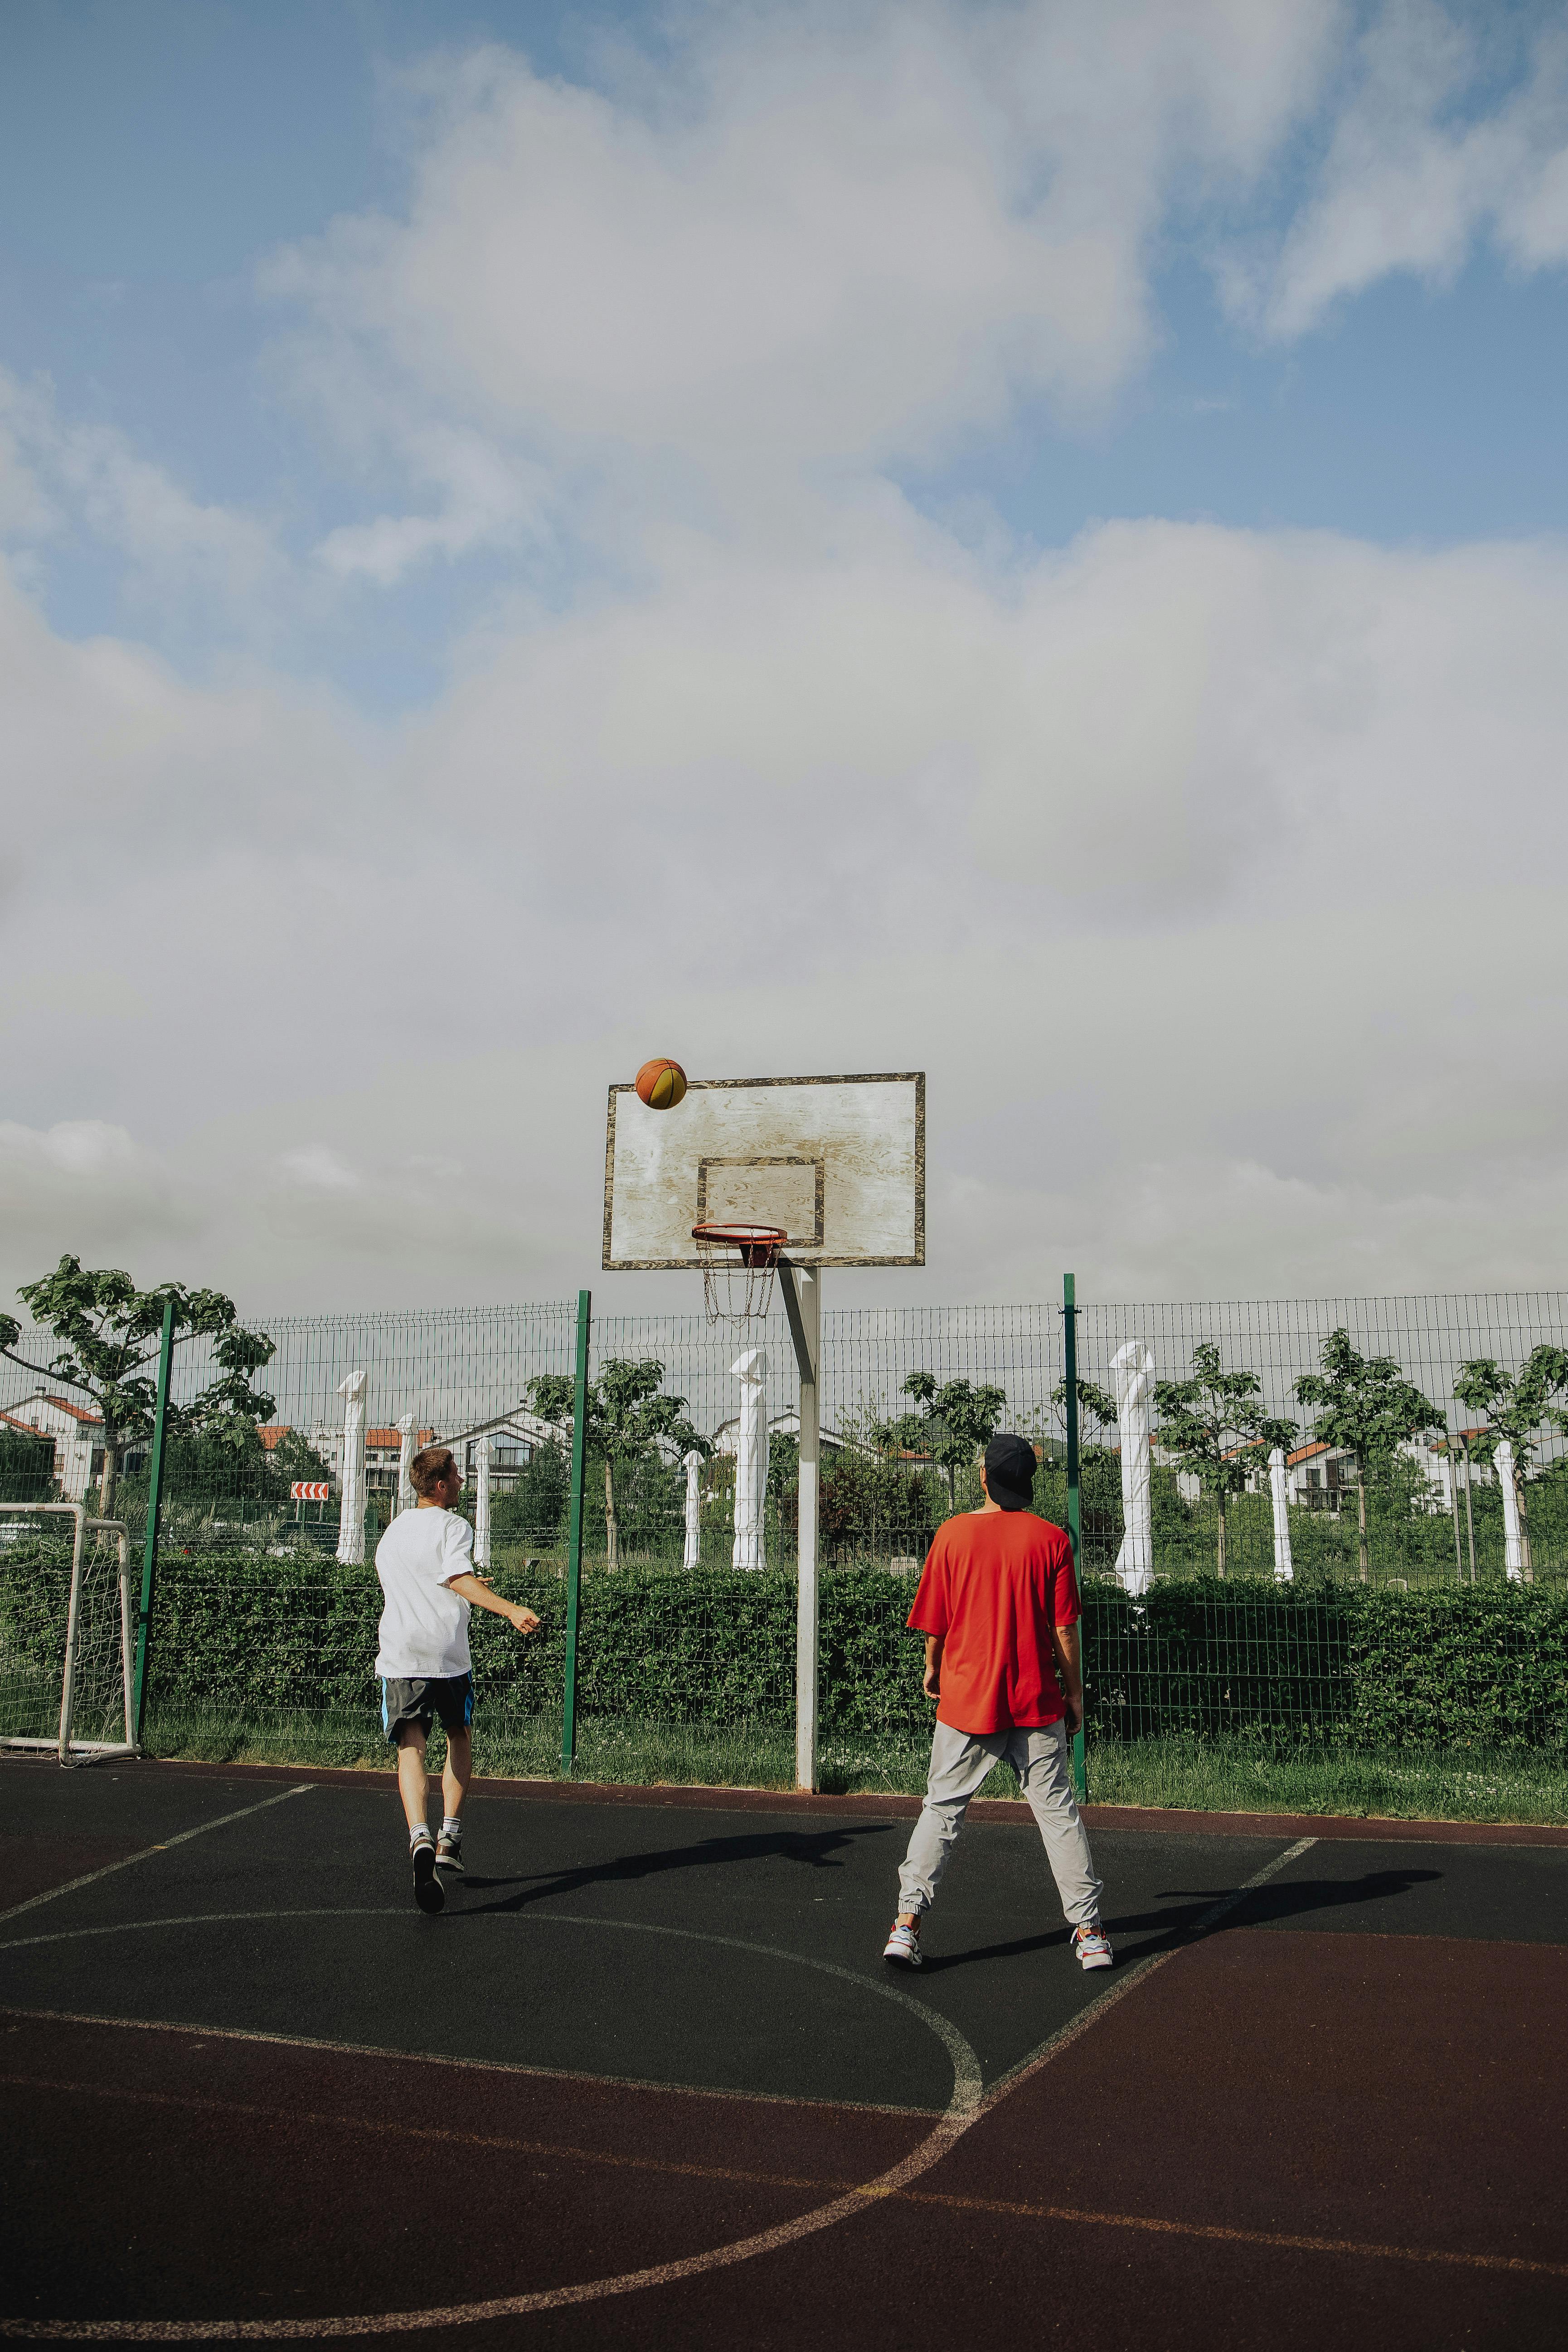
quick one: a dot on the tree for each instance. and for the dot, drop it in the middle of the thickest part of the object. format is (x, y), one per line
(1094, 1402)
(26, 1466)
(628, 1420)
(1369, 1408)
(1516, 1409)
(1214, 1422)
(958, 1421)
(110, 1333)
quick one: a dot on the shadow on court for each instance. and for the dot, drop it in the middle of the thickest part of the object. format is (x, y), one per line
(654, 2090)
(825, 1850)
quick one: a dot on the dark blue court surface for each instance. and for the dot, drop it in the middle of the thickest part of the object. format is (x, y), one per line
(647, 2079)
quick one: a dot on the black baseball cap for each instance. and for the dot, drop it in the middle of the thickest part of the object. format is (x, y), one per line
(1010, 1472)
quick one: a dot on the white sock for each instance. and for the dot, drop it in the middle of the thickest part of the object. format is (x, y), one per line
(422, 1832)
(451, 1827)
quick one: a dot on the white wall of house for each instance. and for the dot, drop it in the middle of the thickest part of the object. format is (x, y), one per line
(77, 1436)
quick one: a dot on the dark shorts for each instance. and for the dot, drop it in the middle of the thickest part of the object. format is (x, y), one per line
(420, 1698)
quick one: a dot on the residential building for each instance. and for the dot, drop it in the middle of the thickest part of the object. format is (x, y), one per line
(76, 1434)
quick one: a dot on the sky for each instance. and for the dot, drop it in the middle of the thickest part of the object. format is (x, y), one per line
(1027, 542)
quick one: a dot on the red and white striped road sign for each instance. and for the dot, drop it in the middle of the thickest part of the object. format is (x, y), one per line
(311, 1490)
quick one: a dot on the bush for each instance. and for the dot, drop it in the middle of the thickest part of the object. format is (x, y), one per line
(1473, 1667)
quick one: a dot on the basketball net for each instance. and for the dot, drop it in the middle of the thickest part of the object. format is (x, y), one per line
(740, 1267)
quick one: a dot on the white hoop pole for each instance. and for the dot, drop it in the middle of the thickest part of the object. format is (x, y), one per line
(127, 1639)
(802, 1289)
(73, 1610)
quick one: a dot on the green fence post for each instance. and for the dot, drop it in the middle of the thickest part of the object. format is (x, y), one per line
(574, 1533)
(154, 1496)
(1075, 1515)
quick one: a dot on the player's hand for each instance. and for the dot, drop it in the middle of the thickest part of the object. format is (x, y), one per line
(931, 1682)
(1073, 1714)
(523, 1619)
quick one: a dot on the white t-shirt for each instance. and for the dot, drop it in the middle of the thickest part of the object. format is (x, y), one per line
(424, 1625)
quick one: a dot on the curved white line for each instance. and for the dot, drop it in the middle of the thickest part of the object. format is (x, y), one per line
(963, 2110)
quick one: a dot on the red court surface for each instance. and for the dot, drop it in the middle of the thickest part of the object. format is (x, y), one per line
(647, 2082)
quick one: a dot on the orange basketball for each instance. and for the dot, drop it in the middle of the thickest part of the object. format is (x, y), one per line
(661, 1085)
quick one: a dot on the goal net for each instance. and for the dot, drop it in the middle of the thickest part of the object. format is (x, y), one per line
(65, 1640)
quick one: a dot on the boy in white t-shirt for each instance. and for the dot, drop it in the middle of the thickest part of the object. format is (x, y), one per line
(425, 1563)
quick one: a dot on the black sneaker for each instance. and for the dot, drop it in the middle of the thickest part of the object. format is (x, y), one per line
(428, 1891)
(449, 1853)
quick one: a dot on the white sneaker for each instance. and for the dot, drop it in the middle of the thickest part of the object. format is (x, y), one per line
(903, 1946)
(1092, 1946)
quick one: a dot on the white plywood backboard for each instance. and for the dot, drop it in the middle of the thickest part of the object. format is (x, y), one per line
(839, 1162)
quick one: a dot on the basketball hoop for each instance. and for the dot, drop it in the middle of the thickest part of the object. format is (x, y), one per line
(739, 1265)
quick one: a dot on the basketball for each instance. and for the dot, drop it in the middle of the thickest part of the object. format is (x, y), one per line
(661, 1085)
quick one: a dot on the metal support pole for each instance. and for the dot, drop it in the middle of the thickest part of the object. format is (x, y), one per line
(1075, 1516)
(574, 1532)
(1454, 1507)
(802, 1290)
(154, 1501)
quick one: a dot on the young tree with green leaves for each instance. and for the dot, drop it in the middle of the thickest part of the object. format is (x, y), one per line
(1368, 1409)
(109, 1335)
(1214, 1423)
(956, 1424)
(1516, 1407)
(1094, 1403)
(629, 1420)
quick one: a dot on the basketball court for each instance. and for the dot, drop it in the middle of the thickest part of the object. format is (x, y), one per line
(647, 2079)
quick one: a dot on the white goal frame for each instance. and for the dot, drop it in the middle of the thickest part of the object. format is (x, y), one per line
(87, 1751)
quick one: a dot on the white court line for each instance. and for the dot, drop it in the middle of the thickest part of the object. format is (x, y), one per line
(91, 1878)
(968, 2104)
(433, 2057)
(966, 2079)
(1055, 2044)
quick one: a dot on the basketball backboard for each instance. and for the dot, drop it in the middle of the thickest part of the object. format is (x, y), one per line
(839, 1162)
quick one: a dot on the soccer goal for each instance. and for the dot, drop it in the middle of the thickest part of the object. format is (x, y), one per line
(66, 1639)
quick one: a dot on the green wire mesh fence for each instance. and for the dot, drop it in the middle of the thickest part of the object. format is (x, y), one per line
(1401, 1624)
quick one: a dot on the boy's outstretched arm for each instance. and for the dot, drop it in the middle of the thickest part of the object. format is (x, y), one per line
(475, 1588)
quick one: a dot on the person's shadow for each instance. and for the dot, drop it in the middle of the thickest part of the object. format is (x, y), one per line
(1178, 1921)
(812, 1849)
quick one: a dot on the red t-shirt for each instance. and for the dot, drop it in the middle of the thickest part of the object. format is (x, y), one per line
(994, 1585)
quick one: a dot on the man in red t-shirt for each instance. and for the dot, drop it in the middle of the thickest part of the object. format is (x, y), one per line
(998, 1606)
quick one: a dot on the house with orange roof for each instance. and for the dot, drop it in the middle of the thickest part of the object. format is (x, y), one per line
(381, 1449)
(76, 1434)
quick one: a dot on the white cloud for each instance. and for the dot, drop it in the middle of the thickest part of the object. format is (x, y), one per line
(54, 473)
(1416, 170)
(488, 498)
(816, 234)
(1215, 876)
(320, 1169)
(86, 1186)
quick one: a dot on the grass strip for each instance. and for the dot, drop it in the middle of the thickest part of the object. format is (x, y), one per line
(1214, 1776)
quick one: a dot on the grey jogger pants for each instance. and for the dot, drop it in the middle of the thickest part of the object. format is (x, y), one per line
(959, 1761)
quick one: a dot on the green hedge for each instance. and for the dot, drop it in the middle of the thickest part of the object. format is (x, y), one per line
(1483, 1666)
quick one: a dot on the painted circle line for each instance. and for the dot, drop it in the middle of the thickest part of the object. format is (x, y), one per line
(962, 2110)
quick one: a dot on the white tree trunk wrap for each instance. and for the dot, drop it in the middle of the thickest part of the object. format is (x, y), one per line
(351, 1505)
(407, 1497)
(1279, 1488)
(1133, 1370)
(751, 1458)
(692, 1465)
(482, 1501)
(1513, 1548)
